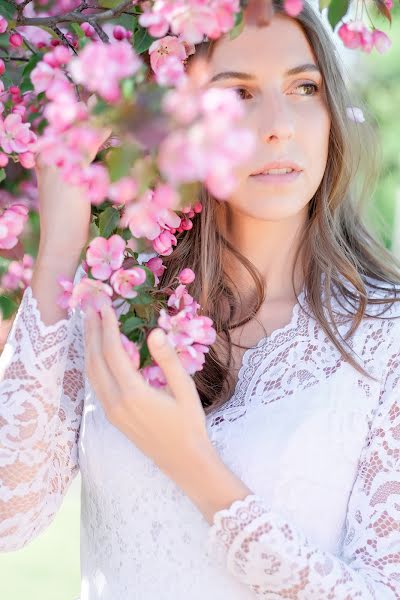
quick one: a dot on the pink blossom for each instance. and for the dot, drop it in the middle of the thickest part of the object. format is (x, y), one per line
(15, 136)
(12, 223)
(119, 61)
(141, 217)
(355, 34)
(123, 191)
(64, 298)
(15, 40)
(91, 292)
(161, 49)
(293, 7)
(171, 72)
(61, 55)
(180, 298)
(2, 67)
(154, 375)
(124, 280)
(27, 160)
(132, 350)
(381, 41)
(96, 181)
(193, 358)
(189, 334)
(164, 242)
(388, 4)
(18, 274)
(43, 75)
(105, 256)
(3, 24)
(155, 23)
(186, 276)
(3, 160)
(156, 266)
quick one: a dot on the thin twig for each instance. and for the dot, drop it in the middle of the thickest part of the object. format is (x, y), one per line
(71, 17)
(100, 32)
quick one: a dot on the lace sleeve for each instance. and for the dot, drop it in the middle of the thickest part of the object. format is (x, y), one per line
(275, 560)
(41, 399)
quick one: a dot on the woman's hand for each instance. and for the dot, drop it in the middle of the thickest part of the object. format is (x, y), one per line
(168, 426)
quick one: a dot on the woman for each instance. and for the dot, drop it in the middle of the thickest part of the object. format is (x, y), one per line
(292, 489)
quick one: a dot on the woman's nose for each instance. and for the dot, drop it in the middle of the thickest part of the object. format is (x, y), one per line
(276, 121)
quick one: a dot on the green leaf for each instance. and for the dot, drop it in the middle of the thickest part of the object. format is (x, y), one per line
(108, 221)
(144, 354)
(142, 40)
(130, 324)
(141, 298)
(2, 175)
(6, 9)
(324, 4)
(150, 278)
(337, 10)
(31, 64)
(120, 160)
(7, 307)
(238, 27)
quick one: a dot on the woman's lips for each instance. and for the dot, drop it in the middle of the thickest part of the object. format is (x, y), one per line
(277, 179)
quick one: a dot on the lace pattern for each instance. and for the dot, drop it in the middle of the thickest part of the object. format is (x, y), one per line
(41, 391)
(274, 557)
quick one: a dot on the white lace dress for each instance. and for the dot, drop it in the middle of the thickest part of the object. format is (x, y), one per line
(316, 442)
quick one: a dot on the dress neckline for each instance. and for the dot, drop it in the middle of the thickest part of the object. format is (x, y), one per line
(272, 339)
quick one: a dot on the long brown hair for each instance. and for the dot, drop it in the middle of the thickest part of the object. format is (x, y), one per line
(340, 255)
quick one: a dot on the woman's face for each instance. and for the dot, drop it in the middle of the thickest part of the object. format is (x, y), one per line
(286, 111)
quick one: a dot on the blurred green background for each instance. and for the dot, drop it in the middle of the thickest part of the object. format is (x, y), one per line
(48, 568)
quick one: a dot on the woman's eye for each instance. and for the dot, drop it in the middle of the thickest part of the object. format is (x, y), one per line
(311, 88)
(238, 90)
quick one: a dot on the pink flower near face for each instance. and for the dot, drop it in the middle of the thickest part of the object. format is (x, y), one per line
(293, 7)
(15, 136)
(156, 24)
(105, 256)
(101, 67)
(125, 280)
(171, 72)
(90, 292)
(132, 350)
(381, 41)
(161, 49)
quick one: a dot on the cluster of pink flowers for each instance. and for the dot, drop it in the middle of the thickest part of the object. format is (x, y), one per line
(189, 19)
(12, 222)
(16, 138)
(356, 35)
(153, 217)
(211, 143)
(167, 56)
(101, 68)
(18, 274)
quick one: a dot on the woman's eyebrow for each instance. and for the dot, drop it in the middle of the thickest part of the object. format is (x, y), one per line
(238, 75)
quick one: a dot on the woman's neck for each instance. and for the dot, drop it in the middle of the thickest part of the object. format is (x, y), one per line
(271, 247)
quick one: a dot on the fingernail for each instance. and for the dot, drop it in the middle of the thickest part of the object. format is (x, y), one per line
(159, 337)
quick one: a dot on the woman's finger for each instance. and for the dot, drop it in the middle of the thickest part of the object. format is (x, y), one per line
(115, 355)
(101, 378)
